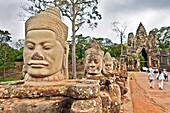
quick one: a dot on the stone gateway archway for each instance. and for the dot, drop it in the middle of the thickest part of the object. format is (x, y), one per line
(142, 51)
(143, 58)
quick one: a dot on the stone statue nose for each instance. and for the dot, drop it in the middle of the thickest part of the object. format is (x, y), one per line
(37, 56)
(92, 65)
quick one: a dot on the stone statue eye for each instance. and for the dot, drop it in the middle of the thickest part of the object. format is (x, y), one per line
(47, 47)
(106, 65)
(89, 61)
(30, 46)
(96, 61)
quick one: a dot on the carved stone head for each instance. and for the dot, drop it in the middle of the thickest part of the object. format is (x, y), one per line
(45, 50)
(108, 64)
(152, 39)
(130, 39)
(93, 59)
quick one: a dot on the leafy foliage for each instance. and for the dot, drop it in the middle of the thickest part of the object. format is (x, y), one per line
(82, 44)
(8, 55)
(120, 30)
(163, 34)
(163, 46)
(6, 52)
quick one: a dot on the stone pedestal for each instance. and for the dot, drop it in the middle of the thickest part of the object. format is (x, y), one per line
(74, 96)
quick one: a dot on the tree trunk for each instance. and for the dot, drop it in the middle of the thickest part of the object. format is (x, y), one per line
(121, 40)
(73, 46)
(4, 75)
(4, 68)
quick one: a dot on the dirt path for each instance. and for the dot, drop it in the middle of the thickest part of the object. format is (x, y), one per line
(146, 100)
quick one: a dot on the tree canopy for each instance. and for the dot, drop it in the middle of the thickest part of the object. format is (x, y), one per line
(83, 42)
(8, 55)
(163, 37)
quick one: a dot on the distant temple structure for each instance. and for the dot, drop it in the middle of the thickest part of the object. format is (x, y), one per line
(142, 51)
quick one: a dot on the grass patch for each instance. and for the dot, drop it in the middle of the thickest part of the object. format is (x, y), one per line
(11, 79)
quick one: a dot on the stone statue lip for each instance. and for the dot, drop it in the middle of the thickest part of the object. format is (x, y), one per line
(93, 73)
(92, 69)
(38, 64)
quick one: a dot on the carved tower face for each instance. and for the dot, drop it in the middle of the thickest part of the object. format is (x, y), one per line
(141, 36)
(45, 47)
(130, 39)
(153, 39)
(108, 64)
(93, 59)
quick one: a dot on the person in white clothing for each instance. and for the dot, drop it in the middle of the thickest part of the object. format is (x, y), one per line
(160, 78)
(151, 78)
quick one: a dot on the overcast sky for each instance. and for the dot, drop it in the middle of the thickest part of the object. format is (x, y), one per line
(152, 14)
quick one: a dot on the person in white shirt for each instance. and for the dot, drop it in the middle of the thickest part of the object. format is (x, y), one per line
(160, 78)
(151, 78)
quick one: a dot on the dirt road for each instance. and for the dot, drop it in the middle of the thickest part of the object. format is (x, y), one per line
(147, 100)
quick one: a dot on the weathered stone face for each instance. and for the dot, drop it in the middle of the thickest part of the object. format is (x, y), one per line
(130, 39)
(141, 36)
(41, 56)
(93, 64)
(45, 51)
(108, 64)
(152, 39)
(93, 60)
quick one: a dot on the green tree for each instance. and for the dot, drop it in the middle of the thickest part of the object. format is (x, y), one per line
(6, 52)
(19, 52)
(120, 30)
(82, 44)
(108, 46)
(163, 46)
(20, 43)
(163, 34)
(77, 11)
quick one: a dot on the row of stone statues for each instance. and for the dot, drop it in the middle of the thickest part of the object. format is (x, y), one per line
(46, 87)
(111, 75)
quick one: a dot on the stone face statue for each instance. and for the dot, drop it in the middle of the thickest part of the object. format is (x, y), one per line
(108, 64)
(93, 60)
(153, 37)
(45, 50)
(130, 39)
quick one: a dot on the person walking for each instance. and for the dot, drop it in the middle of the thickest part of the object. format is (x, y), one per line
(151, 78)
(165, 74)
(160, 78)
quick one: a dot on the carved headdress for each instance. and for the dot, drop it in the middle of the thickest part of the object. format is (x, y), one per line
(94, 48)
(49, 19)
(108, 58)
